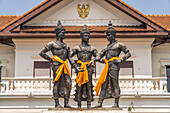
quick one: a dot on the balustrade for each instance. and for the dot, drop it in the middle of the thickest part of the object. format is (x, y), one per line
(44, 85)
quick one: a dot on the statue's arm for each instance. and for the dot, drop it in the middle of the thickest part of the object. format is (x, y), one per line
(43, 52)
(126, 51)
(94, 51)
(70, 55)
(100, 55)
(73, 51)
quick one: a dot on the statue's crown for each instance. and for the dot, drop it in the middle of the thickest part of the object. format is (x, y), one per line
(59, 28)
(110, 28)
(84, 30)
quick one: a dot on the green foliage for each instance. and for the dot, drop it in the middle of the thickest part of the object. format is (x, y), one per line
(0, 66)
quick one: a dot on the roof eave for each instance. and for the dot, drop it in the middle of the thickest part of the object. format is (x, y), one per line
(122, 34)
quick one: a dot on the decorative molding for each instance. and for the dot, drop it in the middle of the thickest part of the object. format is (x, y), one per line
(163, 63)
(4, 67)
(4, 62)
(100, 14)
(89, 22)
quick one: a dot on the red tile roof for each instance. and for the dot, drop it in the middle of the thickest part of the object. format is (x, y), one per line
(142, 14)
(8, 24)
(6, 19)
(162, 19)
(13, 19)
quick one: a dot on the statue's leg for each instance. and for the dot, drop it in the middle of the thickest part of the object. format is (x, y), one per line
(79, 96)
(89, 89)
(89, 95)
(68, 86)
(55, 95)
(116, 103)
(116, 88)
(103, 93)
(99, 104)
(56, 89)
(84, 89)
(88, 104)
(79, 104)
(57, 104)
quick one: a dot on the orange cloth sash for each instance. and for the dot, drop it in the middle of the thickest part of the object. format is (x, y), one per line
(103, 75)
(82, 77)
(64, 66)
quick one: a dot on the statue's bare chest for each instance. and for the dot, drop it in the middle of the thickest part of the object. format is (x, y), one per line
(60, 50)
(113, 50)
(84, 53)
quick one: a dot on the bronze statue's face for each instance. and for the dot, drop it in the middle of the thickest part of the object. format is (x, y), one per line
(110, 36)
(62, 34)
(85, 37)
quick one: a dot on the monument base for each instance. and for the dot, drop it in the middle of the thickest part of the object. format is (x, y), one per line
(84, 110)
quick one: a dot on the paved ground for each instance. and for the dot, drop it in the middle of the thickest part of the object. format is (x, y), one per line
(58, 111)
(21, 110)
(80, 111)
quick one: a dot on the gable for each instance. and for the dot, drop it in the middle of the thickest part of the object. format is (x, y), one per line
(100, 14)
(39, 20)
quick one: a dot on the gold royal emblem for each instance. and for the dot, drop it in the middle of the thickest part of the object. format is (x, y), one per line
(83, 11)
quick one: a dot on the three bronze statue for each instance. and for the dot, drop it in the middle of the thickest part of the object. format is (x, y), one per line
(108, 82)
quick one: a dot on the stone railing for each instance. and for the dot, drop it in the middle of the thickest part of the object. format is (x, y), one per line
(21, 85)
(45, 85)
(145, 85)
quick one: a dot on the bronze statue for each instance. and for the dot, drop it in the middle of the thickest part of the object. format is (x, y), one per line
(109, 78)
(61, 73)
(84, 86)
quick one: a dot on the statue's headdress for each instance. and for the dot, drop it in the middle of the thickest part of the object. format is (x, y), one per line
(111, 29)
(59, 28)
(84, 30)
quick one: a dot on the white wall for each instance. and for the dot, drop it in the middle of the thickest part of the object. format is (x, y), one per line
(27, 51)
(145, 103)
(141, 55)
(8, 60)
(160, 58)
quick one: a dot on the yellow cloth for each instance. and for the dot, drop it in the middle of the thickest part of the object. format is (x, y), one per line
(82, 77)
(64, 66)
(103, 75)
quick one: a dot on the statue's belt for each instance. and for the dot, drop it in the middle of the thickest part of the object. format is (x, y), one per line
(103, 75)
(82, 77)
(64, 66)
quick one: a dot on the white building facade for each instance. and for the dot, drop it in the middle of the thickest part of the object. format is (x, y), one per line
(143, 83)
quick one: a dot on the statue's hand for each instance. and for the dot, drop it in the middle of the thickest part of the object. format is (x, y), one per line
(116, 61)
(101, 61)
(91, 62)
(50, 60)
(79, 69)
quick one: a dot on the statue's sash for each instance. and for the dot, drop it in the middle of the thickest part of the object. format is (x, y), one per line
(82, 77)
(64, 66)
(103, 75)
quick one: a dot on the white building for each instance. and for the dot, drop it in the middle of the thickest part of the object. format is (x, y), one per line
(142, 77)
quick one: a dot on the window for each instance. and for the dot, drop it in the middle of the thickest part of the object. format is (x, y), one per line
(126, 69)
(167, 70)
(42, 69)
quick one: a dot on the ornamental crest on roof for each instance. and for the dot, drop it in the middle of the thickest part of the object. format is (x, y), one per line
(83, 10)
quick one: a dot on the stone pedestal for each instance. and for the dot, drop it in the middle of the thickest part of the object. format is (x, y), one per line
(92, 110)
